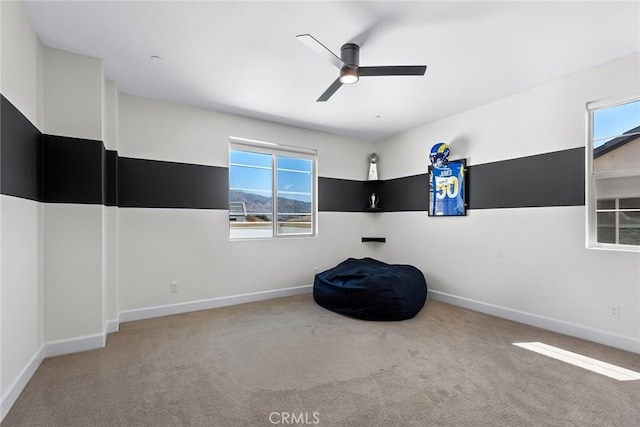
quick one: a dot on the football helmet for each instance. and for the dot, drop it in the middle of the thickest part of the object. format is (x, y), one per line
(439, 154)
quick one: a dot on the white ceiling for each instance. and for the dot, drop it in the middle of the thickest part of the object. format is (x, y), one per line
(243, 57)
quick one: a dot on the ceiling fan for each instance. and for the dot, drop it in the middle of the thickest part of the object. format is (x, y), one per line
(350, 69)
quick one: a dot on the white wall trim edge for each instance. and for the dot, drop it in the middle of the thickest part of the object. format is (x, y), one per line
(566, 328)
(206, 304)
(16, 387)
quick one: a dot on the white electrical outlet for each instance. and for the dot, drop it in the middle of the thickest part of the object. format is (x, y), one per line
(614, 311)
(173, 287)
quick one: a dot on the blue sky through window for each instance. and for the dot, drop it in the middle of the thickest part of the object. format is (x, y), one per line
(294, 175)
(249, 178)
(294, 182)
(611, 122)
(291, 163)
(249, 158)
(252, 172)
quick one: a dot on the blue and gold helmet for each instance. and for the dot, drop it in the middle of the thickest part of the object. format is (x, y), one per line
(439, 154)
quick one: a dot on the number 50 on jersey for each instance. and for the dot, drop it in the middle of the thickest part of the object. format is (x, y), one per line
(447, 189)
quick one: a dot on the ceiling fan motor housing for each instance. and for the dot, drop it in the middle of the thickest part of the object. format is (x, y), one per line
(350, 54)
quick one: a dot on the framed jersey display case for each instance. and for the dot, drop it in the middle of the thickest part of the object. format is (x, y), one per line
(447, 188)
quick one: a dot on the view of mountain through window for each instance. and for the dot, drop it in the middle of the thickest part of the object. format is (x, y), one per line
(270, 194)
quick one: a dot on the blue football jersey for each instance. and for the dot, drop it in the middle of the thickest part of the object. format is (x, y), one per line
(447, 189)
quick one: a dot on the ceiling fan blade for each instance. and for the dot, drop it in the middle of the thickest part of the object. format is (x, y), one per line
(330, 91)
(321, 49)
(393, 70)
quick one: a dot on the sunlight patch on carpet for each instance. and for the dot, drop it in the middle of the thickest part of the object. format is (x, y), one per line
(594, 365)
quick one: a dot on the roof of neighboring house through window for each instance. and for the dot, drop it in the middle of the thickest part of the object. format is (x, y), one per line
(628, 136)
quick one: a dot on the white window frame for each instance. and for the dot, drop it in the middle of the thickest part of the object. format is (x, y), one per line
(591, 177)
(271, 148)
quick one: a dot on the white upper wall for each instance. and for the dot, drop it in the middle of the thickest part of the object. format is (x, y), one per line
(161, 131)
(20, 63)
(73, 95)
(546, 118)
(110, 115)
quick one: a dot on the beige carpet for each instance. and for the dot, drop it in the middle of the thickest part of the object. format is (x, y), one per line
(256, 364)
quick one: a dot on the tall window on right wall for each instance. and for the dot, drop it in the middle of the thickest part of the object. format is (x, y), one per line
(613, 173)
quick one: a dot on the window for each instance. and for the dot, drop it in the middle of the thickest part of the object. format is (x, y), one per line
(271, 190)
(613, 165)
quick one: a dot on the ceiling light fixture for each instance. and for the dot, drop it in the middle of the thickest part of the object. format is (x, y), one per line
(348, 75)
(349, 65)
(156, 57)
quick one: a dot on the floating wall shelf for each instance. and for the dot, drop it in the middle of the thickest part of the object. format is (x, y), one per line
(374, 239)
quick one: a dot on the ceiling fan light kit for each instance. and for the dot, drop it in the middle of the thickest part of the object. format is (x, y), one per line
(348, 75)
(349, 65)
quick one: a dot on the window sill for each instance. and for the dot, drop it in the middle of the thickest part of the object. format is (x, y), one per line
(612, 247)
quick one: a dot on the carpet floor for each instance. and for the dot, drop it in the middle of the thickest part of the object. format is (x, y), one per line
(288, 361)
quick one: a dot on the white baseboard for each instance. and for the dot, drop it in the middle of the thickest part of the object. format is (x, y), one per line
(83, 343)
(566, 328)
(92, 342)
(16, 387)
(111, 326)
(74, 345)
(186, 307)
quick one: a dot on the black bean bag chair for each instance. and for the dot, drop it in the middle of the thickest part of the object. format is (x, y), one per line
(371, 290)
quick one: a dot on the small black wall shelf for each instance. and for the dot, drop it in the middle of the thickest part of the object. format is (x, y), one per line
(374, 239)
